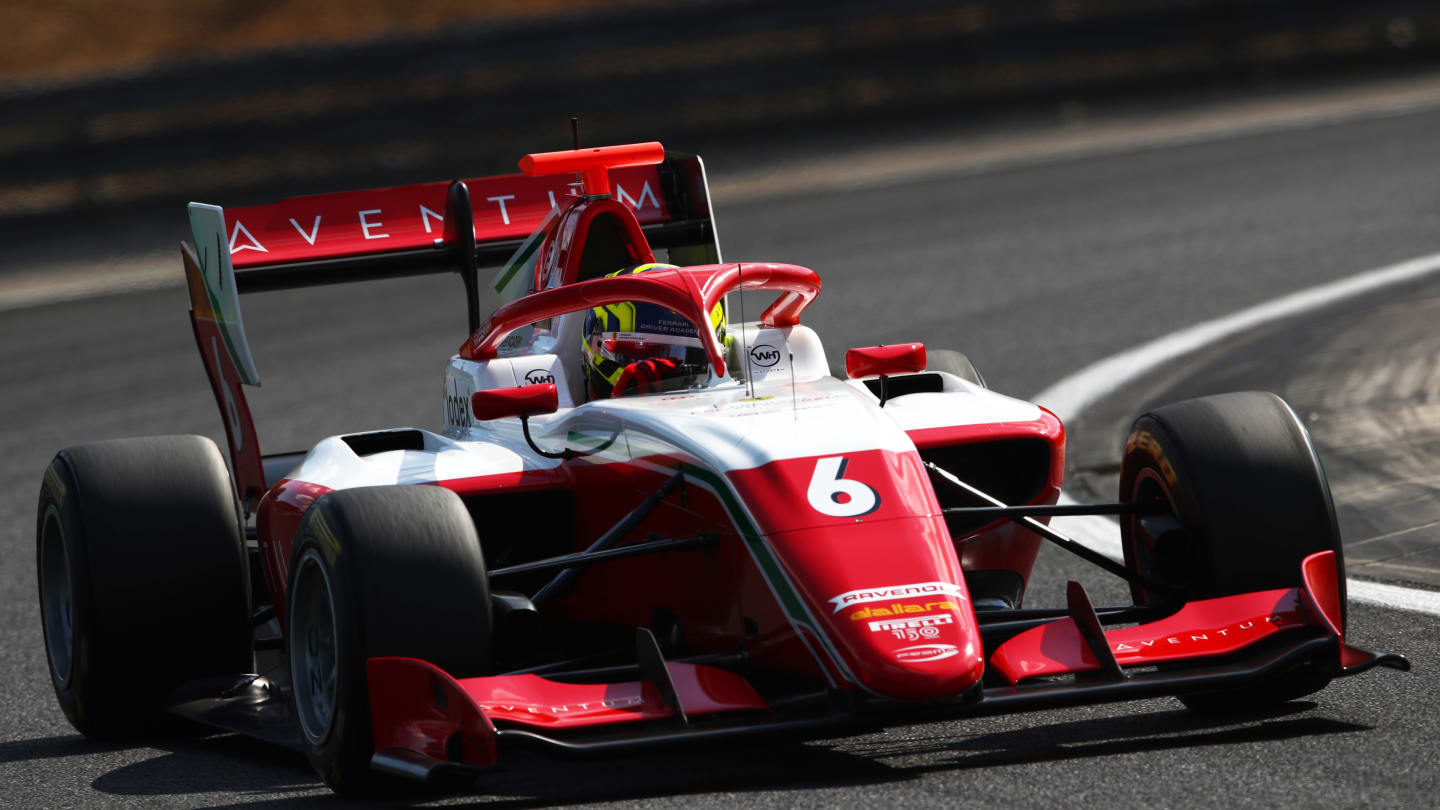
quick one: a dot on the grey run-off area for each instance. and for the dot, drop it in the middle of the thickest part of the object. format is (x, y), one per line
(1364, 375)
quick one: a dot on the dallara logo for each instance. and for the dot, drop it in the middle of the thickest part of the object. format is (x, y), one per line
(538, 376)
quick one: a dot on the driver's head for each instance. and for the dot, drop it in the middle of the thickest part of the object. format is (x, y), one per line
(634, 347)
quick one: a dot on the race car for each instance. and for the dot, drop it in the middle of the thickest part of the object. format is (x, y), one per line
(646, 520)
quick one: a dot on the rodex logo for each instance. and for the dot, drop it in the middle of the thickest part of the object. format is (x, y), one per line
(926, 652)
(538, 376)
(764, 355)
(457, 407)
(863, 595)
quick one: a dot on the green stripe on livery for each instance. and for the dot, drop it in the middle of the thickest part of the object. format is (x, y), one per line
(224, 330)
(519, 260)
(790, 600)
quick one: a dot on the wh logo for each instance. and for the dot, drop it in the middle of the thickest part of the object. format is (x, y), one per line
(764, 355)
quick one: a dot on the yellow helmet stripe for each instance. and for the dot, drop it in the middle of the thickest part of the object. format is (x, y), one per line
(717, 315)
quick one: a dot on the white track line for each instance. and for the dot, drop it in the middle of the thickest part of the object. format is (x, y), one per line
(1100, 534)
(1072, 395)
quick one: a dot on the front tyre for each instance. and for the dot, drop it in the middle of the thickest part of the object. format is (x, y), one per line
(142, 577)
(378, 571)
(1242, 499)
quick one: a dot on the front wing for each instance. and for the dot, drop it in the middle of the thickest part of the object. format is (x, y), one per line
(428, 724)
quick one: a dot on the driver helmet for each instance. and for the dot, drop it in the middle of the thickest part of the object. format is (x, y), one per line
(638, 347)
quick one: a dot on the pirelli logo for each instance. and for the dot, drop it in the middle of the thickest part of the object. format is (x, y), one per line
(912, 622)
(53, 483)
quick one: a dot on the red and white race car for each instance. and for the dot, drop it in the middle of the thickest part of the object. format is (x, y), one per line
(631, 535)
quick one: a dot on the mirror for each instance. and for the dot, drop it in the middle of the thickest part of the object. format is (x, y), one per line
(524, 401)
(872, 361)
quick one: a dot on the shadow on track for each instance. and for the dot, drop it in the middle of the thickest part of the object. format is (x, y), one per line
(196, 762)
(1087, 739)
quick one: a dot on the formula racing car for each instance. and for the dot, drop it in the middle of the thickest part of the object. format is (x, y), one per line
(646, 520)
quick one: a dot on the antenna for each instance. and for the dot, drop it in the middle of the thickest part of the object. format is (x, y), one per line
(744, 353)
(575, 138)
(794, 403)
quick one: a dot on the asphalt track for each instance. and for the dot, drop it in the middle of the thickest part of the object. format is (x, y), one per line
(1033, 271)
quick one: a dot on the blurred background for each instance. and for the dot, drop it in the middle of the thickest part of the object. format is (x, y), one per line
(120, 110)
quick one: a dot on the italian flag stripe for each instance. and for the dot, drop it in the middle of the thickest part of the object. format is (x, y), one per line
(790, 600)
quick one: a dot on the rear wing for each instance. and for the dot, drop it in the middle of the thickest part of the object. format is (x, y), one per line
(459, 226)
(415, 230)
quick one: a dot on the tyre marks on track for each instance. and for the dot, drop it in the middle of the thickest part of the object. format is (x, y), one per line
(1376, 455)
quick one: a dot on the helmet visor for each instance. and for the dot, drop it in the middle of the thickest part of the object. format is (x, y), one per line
(630, 347)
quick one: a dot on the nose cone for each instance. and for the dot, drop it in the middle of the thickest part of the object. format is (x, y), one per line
(892, 601)
(862, 540)
(926, 649)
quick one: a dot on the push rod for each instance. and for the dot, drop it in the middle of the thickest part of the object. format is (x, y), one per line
(581, 559)
(1081, 551)
(1050, 510)
(627, 524)
(1110, 614)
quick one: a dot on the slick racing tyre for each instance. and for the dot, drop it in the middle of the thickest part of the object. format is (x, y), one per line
(1243, 500)
(953, 362)
(378, 571)
(142, 577)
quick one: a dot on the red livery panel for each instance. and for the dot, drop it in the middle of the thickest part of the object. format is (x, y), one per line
(415, 706)
(276, 520)
(1201, 629)
(531, 700)
(326, 226)
(418, 707)
(873, 561)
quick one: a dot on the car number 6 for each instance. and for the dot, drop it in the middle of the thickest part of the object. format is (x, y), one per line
(831, 493)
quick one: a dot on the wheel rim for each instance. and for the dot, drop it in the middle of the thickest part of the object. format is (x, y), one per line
(314, 668)
(1145, 555)
(57, 603)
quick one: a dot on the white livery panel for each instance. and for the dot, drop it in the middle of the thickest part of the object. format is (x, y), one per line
(730, 425)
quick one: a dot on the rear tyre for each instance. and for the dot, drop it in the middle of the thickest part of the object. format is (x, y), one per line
(142, 577)
(953, 362)
(378, 571)
(1244, 501)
